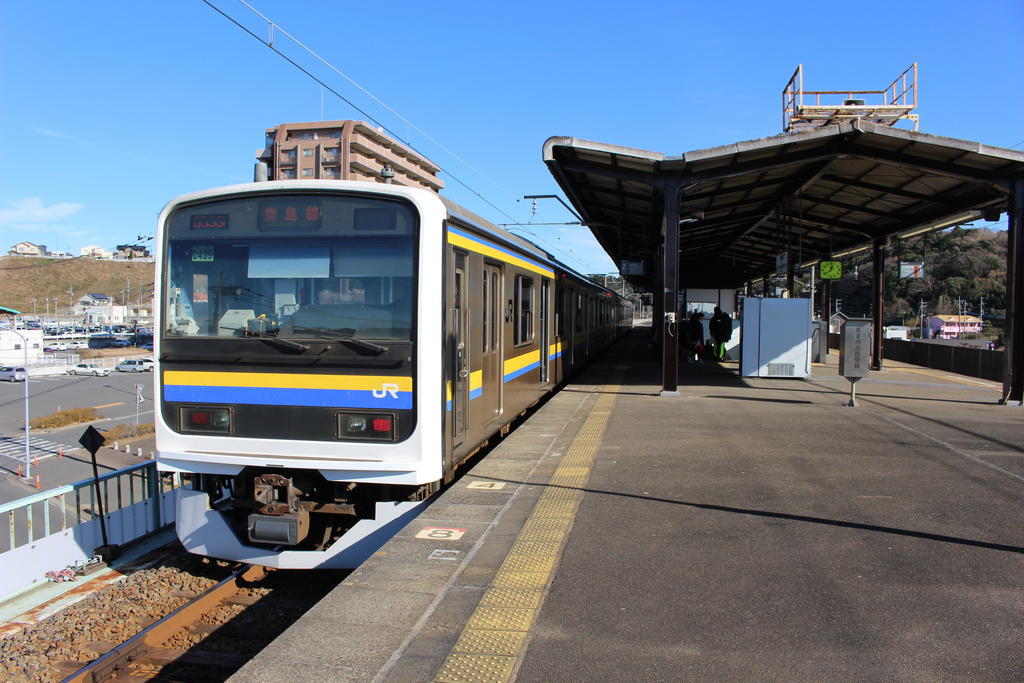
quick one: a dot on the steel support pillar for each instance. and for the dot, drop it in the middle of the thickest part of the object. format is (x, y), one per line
(877, 303)
(670, 291)
(826, 304)
(1013, 371)
(657, 304)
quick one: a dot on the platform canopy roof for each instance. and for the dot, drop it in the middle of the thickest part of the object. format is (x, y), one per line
(815, 193)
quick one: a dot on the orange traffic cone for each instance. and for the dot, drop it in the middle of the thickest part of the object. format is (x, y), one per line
(35, 458)
(19, 470)
(37, 481)
(60, 452)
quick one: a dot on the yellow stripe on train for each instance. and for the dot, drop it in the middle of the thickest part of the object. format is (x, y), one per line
(487, 250)
(281, 380)
(513, 364)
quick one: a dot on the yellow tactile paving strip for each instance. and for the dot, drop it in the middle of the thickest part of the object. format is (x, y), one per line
(949, 376)
(495, 635)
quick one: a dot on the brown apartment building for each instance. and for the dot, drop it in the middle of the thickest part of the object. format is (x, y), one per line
(344, 150)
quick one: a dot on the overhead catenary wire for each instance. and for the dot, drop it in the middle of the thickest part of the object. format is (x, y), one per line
(370, 117)
(376, 99)
(565, 250)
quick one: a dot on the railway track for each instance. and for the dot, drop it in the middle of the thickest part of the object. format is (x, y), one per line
(147, 655)
(214, 633)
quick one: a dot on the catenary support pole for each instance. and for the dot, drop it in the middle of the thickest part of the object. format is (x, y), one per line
(826, 305)
(670, 288)
(877, 302)
(1013, 371)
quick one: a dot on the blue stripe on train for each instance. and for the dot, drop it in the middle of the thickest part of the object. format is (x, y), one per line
(521, 371)
(273, 396)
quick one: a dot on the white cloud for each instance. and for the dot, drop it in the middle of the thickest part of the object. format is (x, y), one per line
(55, 134)
(32, 210)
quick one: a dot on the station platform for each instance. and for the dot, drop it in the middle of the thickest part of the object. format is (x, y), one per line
(746, 529)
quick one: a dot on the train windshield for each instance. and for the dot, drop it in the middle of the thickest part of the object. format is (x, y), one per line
(291, 266)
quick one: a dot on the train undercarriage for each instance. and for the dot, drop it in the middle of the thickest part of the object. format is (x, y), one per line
(295, 515)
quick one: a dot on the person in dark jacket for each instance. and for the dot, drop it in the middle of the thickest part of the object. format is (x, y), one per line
(721, 331)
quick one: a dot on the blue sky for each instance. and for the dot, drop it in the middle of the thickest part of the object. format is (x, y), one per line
(110, 109)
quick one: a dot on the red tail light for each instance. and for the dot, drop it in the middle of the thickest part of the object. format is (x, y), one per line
(207, 420)
(367, 426)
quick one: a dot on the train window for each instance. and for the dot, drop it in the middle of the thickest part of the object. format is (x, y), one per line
(579, 313)
(559, 314)
(494, 310)
(346, 267)
(523, 310)
(485, 317)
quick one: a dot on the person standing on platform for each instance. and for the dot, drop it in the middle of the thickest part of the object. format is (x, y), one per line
(721, 331)
(695, 336)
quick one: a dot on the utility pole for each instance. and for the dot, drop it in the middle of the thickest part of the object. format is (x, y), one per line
(920, 311)
(960, 316)
(24, 346)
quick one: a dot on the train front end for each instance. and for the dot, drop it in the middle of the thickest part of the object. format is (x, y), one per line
(298, 332)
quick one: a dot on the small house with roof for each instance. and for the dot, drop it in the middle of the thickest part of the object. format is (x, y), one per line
(93, 251)
(132, 251)
(94, 299)
(953, 326)
(27, 249)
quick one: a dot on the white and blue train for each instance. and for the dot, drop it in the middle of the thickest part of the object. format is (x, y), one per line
(329, 352)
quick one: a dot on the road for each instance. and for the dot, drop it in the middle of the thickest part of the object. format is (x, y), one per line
(55, 455)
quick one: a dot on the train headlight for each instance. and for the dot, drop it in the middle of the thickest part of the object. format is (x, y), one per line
(369, 427)
(212, 420)
(355, 424)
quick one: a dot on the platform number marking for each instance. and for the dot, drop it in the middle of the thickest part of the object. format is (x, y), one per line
(441, 533)
(487, 485)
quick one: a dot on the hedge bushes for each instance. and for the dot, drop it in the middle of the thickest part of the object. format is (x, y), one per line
(62, 418)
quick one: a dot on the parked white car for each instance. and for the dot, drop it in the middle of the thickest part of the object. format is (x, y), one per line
(135, 365)
(88, 369)
(12, 374)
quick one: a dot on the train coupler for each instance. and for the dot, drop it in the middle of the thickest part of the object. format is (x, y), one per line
(280, 520)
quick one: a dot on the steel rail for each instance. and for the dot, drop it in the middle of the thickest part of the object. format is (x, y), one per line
(121, 657)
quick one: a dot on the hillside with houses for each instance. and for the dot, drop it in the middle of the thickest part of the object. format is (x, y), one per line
(122, 252)
(46, 286)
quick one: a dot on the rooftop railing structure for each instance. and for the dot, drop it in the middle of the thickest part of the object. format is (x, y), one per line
(898, 101)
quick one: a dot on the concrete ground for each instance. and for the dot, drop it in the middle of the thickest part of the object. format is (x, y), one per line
(761, 529)
(746, 530)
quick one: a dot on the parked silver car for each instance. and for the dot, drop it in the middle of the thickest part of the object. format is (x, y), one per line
(135, 365)
(88, 369)
(12, 374)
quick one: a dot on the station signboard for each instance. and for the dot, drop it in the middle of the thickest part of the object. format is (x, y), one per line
(912, 270)
(855, 348)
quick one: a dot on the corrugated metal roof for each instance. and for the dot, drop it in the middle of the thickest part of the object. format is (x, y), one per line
(816, 193)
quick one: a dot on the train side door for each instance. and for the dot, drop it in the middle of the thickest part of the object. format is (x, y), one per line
(491, 385)
(570, 330)
(544, 340)
(460, 363)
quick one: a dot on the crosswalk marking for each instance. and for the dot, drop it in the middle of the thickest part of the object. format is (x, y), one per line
(40, 449)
